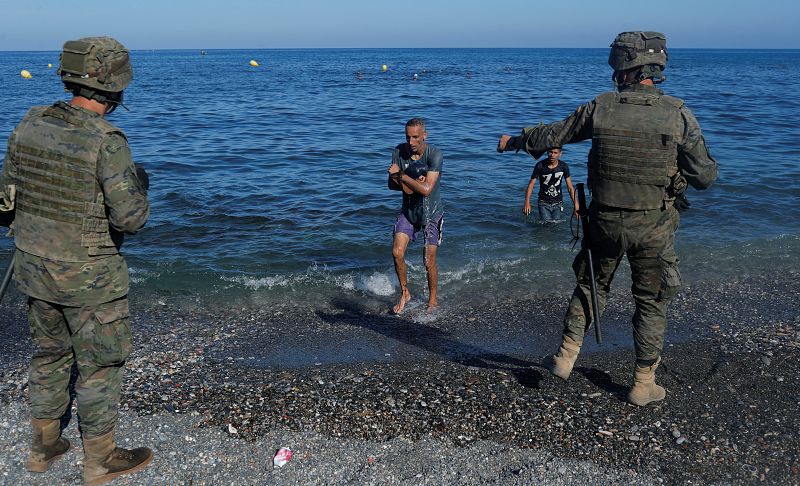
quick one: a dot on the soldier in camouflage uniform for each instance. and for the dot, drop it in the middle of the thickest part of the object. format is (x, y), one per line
(74, 192)
(646, 146)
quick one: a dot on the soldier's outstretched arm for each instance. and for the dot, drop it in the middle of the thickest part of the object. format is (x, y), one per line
(536, 140)
(125, 195)
(694, 161)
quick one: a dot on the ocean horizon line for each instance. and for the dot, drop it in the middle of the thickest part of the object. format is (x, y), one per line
(228, 49)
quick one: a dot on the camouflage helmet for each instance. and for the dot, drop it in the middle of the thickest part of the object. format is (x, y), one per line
(98, 63)
(634, 49)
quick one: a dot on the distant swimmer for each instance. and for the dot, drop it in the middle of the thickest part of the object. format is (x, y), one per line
(415, 76)
(415, 170)
(550, 173)
(646, 148)
(359, 75)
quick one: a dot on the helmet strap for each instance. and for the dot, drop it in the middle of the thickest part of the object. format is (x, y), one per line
(111, 100)
(649, 71)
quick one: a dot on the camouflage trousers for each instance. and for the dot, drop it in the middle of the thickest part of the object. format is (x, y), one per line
(98, 339)
(648, 239)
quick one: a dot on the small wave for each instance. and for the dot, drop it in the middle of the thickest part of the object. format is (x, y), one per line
(377, 284)
(138, 275)
(257, 283)
(482, 268)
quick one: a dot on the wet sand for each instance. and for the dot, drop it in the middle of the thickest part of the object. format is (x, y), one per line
(460, 386)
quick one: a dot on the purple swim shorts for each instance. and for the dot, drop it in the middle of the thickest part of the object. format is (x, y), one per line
(433, 230)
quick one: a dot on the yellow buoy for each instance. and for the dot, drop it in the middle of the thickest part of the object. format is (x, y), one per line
(384, 68)
(253, 63)
(25, 74)
(49, 66)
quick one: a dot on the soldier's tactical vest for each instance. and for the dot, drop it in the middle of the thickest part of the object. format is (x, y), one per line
(60, 210)
(634, 148)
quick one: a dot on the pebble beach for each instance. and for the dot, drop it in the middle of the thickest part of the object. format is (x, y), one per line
(365, 397)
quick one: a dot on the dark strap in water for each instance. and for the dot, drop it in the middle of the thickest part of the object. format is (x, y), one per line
(7, 277)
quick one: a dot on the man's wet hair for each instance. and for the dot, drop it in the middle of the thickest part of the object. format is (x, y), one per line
(416, 122)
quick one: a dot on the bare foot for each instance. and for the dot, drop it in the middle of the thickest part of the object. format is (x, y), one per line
(401, 304)
(432, 306)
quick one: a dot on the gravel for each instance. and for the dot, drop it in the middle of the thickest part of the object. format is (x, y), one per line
(370, 398)
(186, 454)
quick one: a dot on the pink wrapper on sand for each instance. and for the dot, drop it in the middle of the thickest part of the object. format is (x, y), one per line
(283, 456)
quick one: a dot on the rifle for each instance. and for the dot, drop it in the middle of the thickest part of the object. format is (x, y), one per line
(587, 245)
(7, 277)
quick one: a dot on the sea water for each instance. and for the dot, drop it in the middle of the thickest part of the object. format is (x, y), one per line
(269, 183)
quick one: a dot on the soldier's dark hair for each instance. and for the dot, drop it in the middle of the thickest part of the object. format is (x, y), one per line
(416, 122)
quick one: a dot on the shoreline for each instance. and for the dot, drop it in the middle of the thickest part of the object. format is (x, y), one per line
(461, 398)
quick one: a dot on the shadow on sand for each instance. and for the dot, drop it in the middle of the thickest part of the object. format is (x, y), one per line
(603, 381)
(432, 339)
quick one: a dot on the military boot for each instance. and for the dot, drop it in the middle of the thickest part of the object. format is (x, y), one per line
(644, 389)
(47, 444)
(562, 362)
(104, 461)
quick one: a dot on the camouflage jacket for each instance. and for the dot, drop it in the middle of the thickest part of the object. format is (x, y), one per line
(98, 278)
(694, 162)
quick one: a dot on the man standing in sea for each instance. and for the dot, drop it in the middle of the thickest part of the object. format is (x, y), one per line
(646, 146)
(415, 170)
(72, 192)
(550, 173)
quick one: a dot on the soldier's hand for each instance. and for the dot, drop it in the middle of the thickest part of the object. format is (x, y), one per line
(501, 145)
(141, 174)
(681, 203)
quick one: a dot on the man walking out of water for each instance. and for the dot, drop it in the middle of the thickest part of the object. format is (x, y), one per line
(415, 170)
(550, 172)
(646, 146)
(74, 191)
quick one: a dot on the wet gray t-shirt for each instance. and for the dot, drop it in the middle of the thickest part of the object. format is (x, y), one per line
(419, 210)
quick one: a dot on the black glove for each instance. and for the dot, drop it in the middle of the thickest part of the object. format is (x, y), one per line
(681, 203)
(141, 174)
